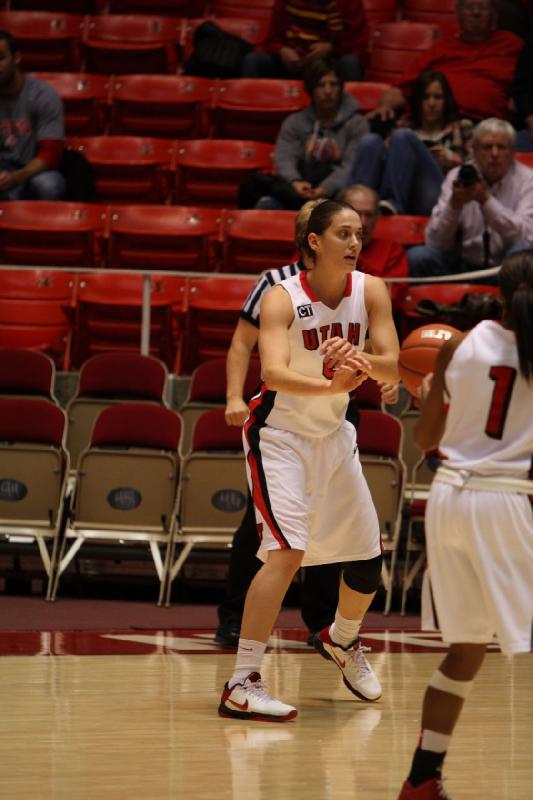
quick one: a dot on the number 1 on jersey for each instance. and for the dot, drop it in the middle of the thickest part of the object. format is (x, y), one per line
(504, 378)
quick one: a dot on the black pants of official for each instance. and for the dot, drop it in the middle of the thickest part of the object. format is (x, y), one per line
(319, 588)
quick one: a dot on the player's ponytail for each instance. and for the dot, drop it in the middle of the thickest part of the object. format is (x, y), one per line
(516, 285)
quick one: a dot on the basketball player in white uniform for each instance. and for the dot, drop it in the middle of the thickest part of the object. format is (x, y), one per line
(479, 520)
(312, 502)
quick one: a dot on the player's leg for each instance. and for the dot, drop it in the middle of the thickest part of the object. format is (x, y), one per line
(445, 695)
(245, 695)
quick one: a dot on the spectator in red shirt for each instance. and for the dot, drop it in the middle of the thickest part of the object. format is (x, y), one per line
(306, 29)
(478, 60)
(381, 257)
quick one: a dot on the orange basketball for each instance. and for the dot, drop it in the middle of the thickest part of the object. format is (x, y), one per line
(419, 352)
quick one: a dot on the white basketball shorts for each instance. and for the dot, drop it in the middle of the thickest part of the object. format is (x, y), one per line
(310, 494)
(480, 555)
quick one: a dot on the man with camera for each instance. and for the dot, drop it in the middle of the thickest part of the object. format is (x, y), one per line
(484, 211)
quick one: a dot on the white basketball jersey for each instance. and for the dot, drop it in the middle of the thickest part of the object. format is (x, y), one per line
(489, 425)
(313, 323)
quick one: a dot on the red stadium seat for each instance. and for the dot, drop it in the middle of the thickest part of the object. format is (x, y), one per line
(64, 6)
(209, 171)
(403, 228)
(377, 11)
(255, 31)
(163, 237)
(55, 233)
(525, 158)
(255, 240)
(109, 315)
(85, 100)
(213, 310)
(128, 169)
(367, 93)
(167, 8)
(123, 44)
(48, 40)
(26, 373)
(443, 293)
(395, 45)
(258, 10)
(254, 108)
(173, 106)
(437, 12)
(35, 310)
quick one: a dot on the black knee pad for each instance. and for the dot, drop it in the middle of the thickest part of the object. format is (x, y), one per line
(363, 576)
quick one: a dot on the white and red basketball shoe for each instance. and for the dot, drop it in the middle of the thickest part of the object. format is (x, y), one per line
(358, 675)
(251, 700)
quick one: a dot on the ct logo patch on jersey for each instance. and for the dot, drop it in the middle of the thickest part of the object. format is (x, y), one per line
(305, 311)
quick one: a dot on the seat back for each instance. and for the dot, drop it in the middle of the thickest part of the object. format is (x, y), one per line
(210, 171)
(443, 294)
(26, 372)
(125, 44)
(377, 11)
(168, 8)
(47, 40)
(213, 488)
(128, 476)
(51, 233)
(128, 168)
(173, 237)
(254, 108)
(405, 229)
(171, 106)
(107, 379)
(259, 10)
(34, 311)
(253, 239)
(213, 312)
(207, 390)
(395, 45)
(85, 101)
(367, 93)
(442, 13)
(109, 315)
(33, 464)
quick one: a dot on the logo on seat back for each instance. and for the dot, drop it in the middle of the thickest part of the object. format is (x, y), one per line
(305, 311)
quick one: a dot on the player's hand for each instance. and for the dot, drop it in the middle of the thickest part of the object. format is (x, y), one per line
(236, 412)
(337, 350)
(389, 393)
(347, 377)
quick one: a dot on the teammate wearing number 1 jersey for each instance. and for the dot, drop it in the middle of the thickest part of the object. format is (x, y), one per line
(479, 520)
(312, 503)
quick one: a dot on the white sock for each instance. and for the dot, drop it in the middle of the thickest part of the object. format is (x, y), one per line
(434, 741)
(344, 631)
(249, 657)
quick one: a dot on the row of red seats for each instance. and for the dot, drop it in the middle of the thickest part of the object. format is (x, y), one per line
(178, 238)
(175, 106)
(73, 316)
(133, 44)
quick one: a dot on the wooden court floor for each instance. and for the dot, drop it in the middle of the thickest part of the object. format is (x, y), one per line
(123, 726)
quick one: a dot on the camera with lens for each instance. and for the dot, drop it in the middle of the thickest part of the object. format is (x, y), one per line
(467, 175)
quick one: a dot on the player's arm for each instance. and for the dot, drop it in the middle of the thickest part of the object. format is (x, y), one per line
(237, 362)
(429, 429)
(276, 317)
(383, 338)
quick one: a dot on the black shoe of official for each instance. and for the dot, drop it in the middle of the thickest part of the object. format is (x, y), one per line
(227, 634)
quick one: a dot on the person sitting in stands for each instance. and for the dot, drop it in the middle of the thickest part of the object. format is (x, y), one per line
(303, 30)
(478, 60)
(407, 168)
(315, 147)
(31, 132)
(485, 209)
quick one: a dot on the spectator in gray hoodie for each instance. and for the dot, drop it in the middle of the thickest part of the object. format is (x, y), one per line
(315, 148)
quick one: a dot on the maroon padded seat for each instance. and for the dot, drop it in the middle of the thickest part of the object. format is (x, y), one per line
(137, 425)
(31, 420)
